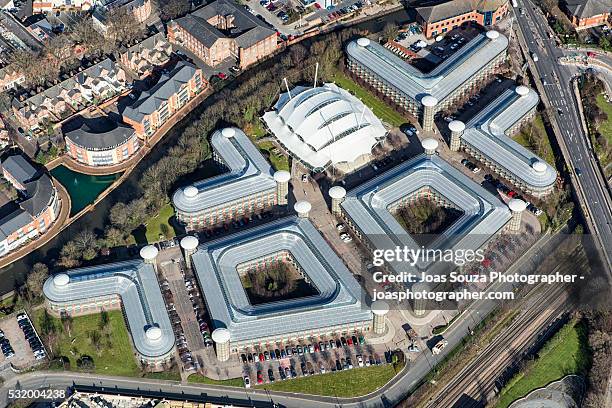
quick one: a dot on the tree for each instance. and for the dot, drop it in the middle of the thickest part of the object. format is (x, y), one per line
(172, 9)
(95, 340)
(113, 237)
(104, 319)
(123, 27)
(604, 43)
(36, 278)
(67, 323)
(165, 230)
(390, 31)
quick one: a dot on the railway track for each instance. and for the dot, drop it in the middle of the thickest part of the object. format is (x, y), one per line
(477, 379)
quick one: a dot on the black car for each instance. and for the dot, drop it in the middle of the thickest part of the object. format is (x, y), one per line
(249, 357)
(270, 375)
(281, 373)
(338, 365)
(343, 341)
(277, 353)
(243, 358)
(355, 341)
(388, 357)
(338, 344)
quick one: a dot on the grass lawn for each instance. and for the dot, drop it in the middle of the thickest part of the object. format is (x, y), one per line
(154, 226)
(566, 353)
(606, 127)
(523, 137)
(171, 375)
(351, 383)
(279, 161)
(200, 379)
(116, 356)
(385, 112)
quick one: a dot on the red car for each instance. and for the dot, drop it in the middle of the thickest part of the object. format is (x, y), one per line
(317, 6)
(349, 341)
(221, 75)
(259, 377)
(511, 193)
(262, 357)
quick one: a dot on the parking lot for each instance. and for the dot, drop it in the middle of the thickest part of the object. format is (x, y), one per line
(425, 54)
(19, 342)
(305, 359)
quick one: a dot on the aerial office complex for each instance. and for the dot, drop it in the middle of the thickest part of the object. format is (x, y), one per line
(130, 285)
(325, 126)
(370, 209)
(247, 185)
(424, 94)
(334, 306)
(487, 138)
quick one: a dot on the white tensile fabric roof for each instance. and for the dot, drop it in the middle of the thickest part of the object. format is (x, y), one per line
(324, 126)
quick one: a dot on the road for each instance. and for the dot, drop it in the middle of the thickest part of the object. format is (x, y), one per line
(592, 189)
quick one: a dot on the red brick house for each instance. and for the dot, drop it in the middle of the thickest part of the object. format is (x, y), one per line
(588, 13)
(223, 30)
(439, 18)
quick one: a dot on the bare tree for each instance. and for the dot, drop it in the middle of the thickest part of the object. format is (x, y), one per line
(36, 278)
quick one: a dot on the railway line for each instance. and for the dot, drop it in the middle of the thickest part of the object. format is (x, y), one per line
(472, 386)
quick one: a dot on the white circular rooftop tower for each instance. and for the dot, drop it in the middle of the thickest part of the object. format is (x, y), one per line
(302, 208)
(456, 126)
(61, 279)
(492, 35)
(190, 191)
(517, 205)
(282, 176)
(522, 90)
(429, 145)
(153, 333)
(189, 243)
(337, 192)
(220, 335)
(149, 252)
(429, 101)
(228, 132)
(380, 307)
(363, 42)
(539, 167)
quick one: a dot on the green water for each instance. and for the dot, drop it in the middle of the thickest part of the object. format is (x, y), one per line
(83, 189)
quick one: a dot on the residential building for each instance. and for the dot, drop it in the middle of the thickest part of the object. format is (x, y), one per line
(171, 92)
(587, 13)
(441, 17)
(140, 9)
(36, 208)
(487, 137)
(142, 58)
(223, 31)
(335, 307)
(45, 6)
(100, 141)
(424, 94)
(90, 86)
(325, 126)
(130, 286)
(247, 185)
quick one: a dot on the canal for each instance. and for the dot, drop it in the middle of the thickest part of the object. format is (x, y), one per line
(14, 274)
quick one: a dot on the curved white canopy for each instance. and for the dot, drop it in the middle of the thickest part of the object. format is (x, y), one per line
(324, 126)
